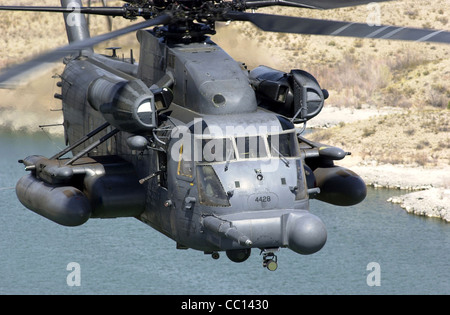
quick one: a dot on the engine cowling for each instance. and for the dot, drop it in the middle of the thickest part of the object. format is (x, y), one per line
(127, 105)
(296, 94)
(125, 102)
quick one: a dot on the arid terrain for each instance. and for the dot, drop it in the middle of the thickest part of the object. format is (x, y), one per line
(389, 101)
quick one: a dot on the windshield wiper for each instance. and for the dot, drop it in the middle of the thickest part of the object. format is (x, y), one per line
(228, 160)
(281, 156)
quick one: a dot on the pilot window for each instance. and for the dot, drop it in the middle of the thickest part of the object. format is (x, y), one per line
(301, 182)
(210, 189)
(217, 150)
(251, 147)
(184, 165)
(282, 145)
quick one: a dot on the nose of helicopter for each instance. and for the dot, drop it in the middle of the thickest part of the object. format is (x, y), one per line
(298, 230)
(306, 234)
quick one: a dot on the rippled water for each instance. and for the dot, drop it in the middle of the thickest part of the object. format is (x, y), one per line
(124, 256)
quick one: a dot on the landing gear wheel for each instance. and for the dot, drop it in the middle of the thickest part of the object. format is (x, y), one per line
(215, 255)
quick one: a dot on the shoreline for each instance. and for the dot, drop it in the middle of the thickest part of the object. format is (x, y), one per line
(428, 188)
(432, 203)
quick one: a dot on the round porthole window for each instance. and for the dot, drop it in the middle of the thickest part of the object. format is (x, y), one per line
(219, 100)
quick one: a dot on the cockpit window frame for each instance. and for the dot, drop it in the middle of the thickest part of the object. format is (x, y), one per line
(210, 187)
(200, 145)
(236, 156)
(184, 165)
(295, 150)
(260, 155)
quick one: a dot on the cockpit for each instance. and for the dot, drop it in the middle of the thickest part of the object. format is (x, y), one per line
(222, 166)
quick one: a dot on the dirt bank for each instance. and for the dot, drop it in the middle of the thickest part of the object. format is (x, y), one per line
(433, 202)
(392, 138)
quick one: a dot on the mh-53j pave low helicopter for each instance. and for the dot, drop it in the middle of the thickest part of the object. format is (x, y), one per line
(187, 140)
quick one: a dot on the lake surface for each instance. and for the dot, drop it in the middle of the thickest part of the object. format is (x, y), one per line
(372, 248)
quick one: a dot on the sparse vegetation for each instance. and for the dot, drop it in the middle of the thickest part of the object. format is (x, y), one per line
(415, 137)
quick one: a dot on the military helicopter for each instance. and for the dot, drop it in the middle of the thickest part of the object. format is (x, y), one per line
(188, 140)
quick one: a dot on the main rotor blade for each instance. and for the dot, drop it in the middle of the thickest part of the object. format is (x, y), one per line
(13, 73)
(300, 25)
(311, 4)
(110, 11)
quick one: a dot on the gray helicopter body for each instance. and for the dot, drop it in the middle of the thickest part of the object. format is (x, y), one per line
(231, 201)
(226, 202)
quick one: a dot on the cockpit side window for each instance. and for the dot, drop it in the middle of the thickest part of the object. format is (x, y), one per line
(210, 189)
(184, 165)
(301, 182)
(282, 144)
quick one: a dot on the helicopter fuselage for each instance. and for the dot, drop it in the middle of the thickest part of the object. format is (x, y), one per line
(186, 146)
(258, 194)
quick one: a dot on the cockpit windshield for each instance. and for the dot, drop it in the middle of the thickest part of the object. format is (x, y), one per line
(251, 147)
(217, 150)
(211, 150)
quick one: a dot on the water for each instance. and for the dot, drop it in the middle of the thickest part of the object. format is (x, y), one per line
(124, 256)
